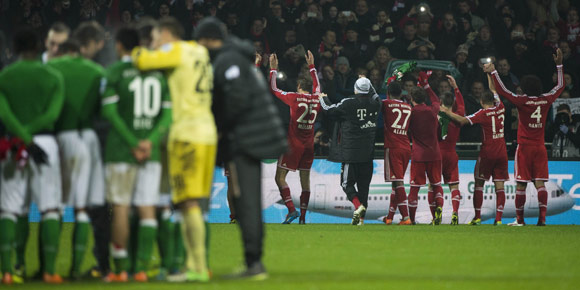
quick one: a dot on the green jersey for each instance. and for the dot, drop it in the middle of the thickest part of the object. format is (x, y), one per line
(138, 106)
(31, 98)
(82, 79)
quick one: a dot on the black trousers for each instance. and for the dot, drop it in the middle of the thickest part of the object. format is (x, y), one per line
(246, 177)
(359, 174)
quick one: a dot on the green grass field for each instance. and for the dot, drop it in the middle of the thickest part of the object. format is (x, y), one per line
(381, 257)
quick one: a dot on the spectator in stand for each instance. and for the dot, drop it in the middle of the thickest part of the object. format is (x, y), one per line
(570, 29)
(461, 63)
(258, 33)
(382, 31)
(344, 79)
(552, 38)
(312, 20)
(423, 52)
(377, 80)
(416, 11)
(483, 45)
(571, 59)
(327, 83)
(464, 10)
(448, 37)
(399, 47)
(522, 61)
(164, 10)
(365, 18)
(275, 26)
(291, 63)
(510, 81)
(443, 87)
(328, 50)
(381, 60)
(472, 105)
(565, 133)
(354, 49)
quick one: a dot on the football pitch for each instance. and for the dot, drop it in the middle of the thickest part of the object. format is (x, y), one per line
(375, 256)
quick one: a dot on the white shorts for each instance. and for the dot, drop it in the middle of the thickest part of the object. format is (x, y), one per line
(164, 200)
(75, 163)
(39, 183)
(132, 184)
(97, 173)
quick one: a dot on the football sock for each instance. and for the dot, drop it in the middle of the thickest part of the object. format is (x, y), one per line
(392, 206)
(401, 197)
(542, 203)
(356, 202)
(80, 240)
(8, 230)
(50, 237)
(455, 199)
(120, 258)
(178, 248)
(520, 202)
(21, 239)
(206, 224)
(304, 199)
(145, 235)
(194, 239)
(431, 200)
(287, 198)
(478, 201)
(413, 201)
(499, 203)
(438, 191)
(165, 237)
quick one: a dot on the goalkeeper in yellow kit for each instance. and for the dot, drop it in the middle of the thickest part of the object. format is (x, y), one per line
(192, 138)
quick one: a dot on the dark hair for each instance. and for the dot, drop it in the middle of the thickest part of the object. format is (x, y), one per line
(128, 38)
(531, 85)
(26, 40)
(68, 47)
(144, 26)
(172, 25)
(305, 83)
(89, 31)
(562, 107)
(447, 99)
(410, 23)
(59, 27)
(395, 89)
(487, 98)
(408, 77)
(419, 95)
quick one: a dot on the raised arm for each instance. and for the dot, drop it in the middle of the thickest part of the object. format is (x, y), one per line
(332, 109)
(280, 94)
(313, 74)
(459, 105)
(559, 88)
(499, 86)
(168, 56)
(455, 117)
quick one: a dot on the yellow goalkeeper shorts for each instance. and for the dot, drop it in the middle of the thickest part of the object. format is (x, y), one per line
(191, 168)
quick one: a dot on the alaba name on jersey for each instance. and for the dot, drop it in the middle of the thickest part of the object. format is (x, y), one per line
(492, 127)
(396, 115)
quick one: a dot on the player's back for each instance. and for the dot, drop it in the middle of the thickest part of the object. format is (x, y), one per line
(82, 80)
(492, 128)
(423, 130)
(28, 86)
(396, 115)
(532, 114)
(303, 111)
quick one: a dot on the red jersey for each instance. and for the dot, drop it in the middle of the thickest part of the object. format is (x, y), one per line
(453, 129)
(396, 114)
(303, 110)
(532, 111)
(491, 121)
(423, 129)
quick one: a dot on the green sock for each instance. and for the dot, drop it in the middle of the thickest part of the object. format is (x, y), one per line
(8, 230)
(21, 239)
(146, 236)
(50, 236)
(80, 242)
(165, 237)
(178, 248)
(207, 243)
(120, 259)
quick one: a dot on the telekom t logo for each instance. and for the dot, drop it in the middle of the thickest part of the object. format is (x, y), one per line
(361, 114)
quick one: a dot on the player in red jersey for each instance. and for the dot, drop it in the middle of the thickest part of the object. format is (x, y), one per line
(492, 160)
(304, 108)
(396, 115)
(449, 158)
(426, 157)
(531, 161)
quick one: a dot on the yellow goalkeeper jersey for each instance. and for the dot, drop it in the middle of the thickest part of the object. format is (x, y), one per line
(190, 78)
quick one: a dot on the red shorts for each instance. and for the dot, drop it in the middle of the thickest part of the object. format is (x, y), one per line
(297, 158)
(531, 163)
(396, 162)
(449, 167)
(430, 168)
(487, 167)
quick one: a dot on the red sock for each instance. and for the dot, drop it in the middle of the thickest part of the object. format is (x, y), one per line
(402, 201)
(287, 198)
(543, 203)
(520, 203)
(304, 199)
(499, 204)
(392, 206)
(431, 200)
(413, 201)
(455, 199)
(478, 201)
(356, 202)
(438, 190)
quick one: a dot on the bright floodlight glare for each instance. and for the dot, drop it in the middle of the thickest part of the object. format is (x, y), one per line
(281, 76)
(422, 8)
(488, 60)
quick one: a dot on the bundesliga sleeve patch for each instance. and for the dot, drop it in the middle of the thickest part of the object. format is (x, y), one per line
(103, 85)
(233, 72)
(166, 47)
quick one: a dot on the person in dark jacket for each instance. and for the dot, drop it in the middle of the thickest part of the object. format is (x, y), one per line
(353, 142)
(249, 130)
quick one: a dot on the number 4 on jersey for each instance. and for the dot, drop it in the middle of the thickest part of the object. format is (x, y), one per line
(537, 115)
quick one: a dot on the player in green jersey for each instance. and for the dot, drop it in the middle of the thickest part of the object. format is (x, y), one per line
(139, 108)
(31, 99)
(82, 80)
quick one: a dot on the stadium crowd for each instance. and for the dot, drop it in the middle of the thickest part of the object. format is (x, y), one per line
(349, 38)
